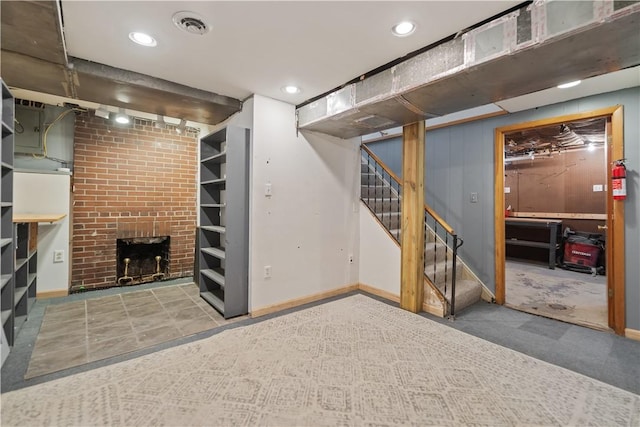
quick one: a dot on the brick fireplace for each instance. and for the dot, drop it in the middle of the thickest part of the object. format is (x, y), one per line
(136, 184)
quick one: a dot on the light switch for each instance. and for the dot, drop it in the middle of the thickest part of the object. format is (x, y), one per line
(474, 197)
(597, 188)
(267, 190)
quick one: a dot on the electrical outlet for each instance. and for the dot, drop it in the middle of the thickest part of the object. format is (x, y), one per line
(350, 258)
(58, 256)
(267, 271)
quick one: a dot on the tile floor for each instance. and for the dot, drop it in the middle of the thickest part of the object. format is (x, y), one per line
(80, 332)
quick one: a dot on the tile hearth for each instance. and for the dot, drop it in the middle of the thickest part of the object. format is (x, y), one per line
(80, 332)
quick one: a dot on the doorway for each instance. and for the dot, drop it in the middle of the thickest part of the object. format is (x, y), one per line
(551, 181)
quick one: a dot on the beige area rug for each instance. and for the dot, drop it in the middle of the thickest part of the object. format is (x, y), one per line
(351, 362)
(569, 296)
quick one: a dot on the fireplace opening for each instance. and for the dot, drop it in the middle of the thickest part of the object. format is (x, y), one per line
(142, 260)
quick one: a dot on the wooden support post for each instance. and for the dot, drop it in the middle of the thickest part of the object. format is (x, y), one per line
(412, 246)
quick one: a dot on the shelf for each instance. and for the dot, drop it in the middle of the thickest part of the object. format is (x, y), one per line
(6, 165)
(25, 217)
(217, 275)
(20, 292)
(218, 181)
(31, 279)
(6, 204)
(217, 158)
(5, 242)
(214, 252)
(214, 228)
(6, 315)
(20, 262)
(4, 279)
(213, 300)
(6, 129)
(222, 239)
(530, 243)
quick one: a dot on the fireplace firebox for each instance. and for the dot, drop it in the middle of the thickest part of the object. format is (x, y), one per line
(142, 260)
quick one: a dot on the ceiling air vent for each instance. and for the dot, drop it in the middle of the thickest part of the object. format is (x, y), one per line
(191, 22)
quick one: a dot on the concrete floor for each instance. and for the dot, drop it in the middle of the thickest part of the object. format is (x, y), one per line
(570, 296)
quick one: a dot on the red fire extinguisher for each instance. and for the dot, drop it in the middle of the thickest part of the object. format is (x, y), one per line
(619, 180)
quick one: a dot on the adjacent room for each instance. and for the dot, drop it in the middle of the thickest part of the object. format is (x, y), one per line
(320, 213)
(555, 221)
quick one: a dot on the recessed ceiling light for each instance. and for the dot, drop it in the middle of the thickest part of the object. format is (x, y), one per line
(403, 29)
(570, 84)
(291, 89)
(142, 39)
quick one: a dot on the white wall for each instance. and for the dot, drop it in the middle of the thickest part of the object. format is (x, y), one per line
(309, 226)
(45, 193)
(379, 255)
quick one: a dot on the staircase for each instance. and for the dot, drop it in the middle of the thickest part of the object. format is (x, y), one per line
(381, 191)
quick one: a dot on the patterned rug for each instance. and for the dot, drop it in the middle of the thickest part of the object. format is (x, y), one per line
(569, 296)
(355, 361)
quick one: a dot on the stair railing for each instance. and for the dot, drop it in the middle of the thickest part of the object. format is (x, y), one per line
(385, 202)
(436, 230)
(382, 193)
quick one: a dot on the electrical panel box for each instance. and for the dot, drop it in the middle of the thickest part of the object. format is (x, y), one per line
(29, 128)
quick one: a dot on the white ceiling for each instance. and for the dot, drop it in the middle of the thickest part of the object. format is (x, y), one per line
(260, 46)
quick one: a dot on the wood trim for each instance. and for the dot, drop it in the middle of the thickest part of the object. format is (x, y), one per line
(443, 125)
(438, 218)
(412, 244)
(498, 214)
(558, 215)
(52, 294)
(602, 112)
(381, 163)
(24, 217)
(432, 309)
(633, 334)
(303, 300)
(616, 280)
(428, 308)
(468, 119)
(379, 292)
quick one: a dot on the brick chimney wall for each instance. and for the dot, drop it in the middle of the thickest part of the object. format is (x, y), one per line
(133, 181)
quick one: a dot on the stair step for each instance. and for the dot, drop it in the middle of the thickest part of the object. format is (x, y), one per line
(442, 271)
(435, 249)
(468, 292)
(391, 220)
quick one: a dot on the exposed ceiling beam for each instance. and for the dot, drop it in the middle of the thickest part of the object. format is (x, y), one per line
(33, 58)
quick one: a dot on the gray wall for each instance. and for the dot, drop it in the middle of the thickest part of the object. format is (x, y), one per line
(459, 161)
